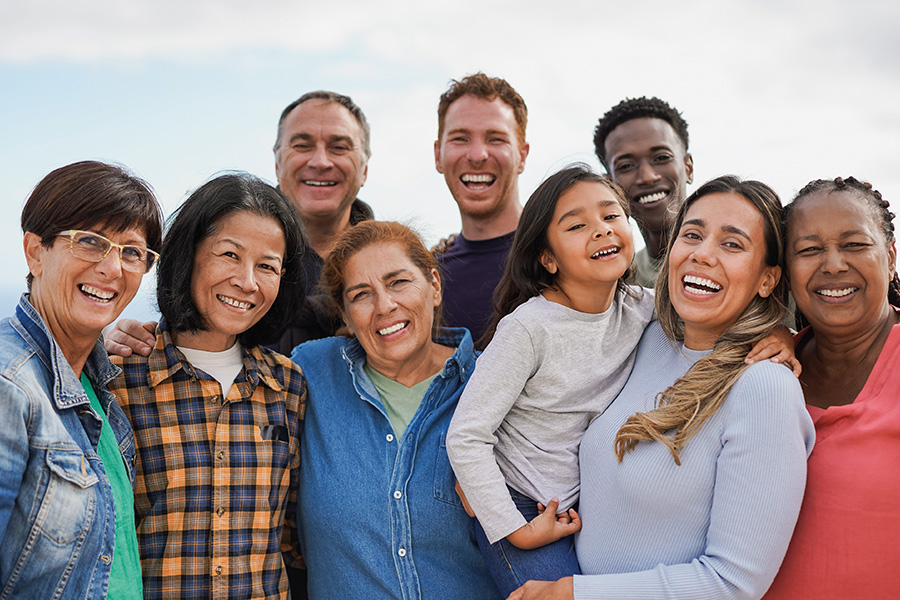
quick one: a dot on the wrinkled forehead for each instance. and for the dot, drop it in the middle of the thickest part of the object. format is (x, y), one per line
(831, 211)
(642, 135)
(319, 118)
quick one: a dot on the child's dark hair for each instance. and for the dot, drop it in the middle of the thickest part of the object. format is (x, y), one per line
(525, 276)
(877, 206)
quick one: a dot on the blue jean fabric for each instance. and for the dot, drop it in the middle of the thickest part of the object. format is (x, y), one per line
(57, 512)
(511, 567)
(379, 516)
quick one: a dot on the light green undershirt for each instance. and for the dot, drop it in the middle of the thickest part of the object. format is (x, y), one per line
(400, 402)
(125, 578)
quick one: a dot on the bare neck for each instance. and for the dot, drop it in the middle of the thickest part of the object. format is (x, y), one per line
(322, 231)
(655, 241)
(485, 228)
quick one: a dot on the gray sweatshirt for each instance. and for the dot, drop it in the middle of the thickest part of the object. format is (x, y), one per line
(548, 371)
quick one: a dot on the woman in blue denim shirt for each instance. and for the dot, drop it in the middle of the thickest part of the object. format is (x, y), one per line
(378, 515)
(66, 449)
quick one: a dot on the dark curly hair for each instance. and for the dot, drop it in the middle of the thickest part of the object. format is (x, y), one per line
(636, 108)
(877, 206)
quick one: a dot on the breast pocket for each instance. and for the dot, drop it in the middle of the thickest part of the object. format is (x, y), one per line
(444, 478)
(68, 505)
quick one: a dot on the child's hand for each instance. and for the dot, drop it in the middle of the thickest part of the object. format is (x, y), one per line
(778, 346)
(545, 590)
(465, 501)
(545, 528)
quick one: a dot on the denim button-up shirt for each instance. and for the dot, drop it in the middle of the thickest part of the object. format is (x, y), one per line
(378, 516)
(57, 513)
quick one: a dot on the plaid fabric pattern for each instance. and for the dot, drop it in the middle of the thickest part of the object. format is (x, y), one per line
(215, 478)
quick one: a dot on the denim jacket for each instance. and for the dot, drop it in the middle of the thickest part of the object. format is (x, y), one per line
(57, 514)
(379, 517)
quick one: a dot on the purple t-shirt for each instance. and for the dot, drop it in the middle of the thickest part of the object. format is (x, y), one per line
(471, 271)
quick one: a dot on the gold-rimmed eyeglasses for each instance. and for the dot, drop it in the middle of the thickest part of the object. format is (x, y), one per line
(93, 247)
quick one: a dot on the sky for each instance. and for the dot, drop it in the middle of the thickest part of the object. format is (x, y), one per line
(178, 91)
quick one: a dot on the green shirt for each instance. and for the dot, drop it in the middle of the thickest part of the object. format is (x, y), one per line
(125, 578)
(400, 402)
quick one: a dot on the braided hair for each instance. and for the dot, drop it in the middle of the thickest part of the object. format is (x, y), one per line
(878, 207)
(637, 108)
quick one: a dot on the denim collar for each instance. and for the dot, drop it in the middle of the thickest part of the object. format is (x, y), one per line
(67, 390)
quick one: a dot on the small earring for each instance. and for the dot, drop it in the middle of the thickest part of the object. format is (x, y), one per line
(763, 293)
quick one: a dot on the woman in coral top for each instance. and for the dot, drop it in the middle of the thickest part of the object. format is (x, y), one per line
(841, 263)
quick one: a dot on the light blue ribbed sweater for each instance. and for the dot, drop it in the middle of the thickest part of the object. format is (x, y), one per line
(718, 525)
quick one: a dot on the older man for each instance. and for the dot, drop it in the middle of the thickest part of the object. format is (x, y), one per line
(643, 144)
(321, 161)
(480, 151)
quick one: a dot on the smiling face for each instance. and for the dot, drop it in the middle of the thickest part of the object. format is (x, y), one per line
(839, 262)
(590, 242)
(320, 161)
(647, 158)
(75, 297)
(717, 265)
(481, 156)
(236, 277)
(388, 304)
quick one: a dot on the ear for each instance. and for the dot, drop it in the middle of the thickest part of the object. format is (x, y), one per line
(892, 261)
(365, 174)
(436, 285)
(770, 279)
(523, 154)
(549, 262)
(348, 322)
(437, 157)
(689, 167)
(277, 154)
(34, 253)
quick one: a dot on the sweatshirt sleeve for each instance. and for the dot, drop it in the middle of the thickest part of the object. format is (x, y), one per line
(500, 375)
(759, 484)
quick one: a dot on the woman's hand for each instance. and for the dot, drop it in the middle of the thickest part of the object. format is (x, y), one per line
(545, 590)
(778, 346)
(545, 528)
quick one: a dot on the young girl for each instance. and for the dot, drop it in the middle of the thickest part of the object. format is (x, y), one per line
(562, 344)
(556, 359)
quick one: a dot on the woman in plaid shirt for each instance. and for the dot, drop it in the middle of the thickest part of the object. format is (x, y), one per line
(216, 416)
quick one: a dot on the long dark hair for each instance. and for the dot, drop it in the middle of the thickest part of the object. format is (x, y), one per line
(197, 219)
(525, 276)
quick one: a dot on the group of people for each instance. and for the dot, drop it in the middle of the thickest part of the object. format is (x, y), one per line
(611, 440)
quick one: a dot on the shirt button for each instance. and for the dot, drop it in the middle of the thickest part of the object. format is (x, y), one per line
(389, 437)
(219, 570)
(214, 399)
(398, 494)
(401, 552)
(220, 454)
(220, 511)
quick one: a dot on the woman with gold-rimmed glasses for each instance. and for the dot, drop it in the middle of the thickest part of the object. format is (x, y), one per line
(66, 448)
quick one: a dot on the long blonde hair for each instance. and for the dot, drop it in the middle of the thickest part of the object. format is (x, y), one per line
(683, 408)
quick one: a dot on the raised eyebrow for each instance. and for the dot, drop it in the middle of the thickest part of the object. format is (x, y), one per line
(300, 136)
(736, 231)
(341, 138)
(393, 274)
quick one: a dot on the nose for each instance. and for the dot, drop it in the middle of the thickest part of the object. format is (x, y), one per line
(320, 158)
(385, 302)
(646, 173)
(244, 278)
(111, 265)
(602, 228)
(833, 261)
(704, 253)
(477, 151)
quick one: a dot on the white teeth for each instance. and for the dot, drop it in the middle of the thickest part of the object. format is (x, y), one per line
(709, 286)
(233, 302)
(315, 183)
(468, 178)
(392, 329)
(837, 293)
(98, 294)
(606, 252)
(651, 198)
